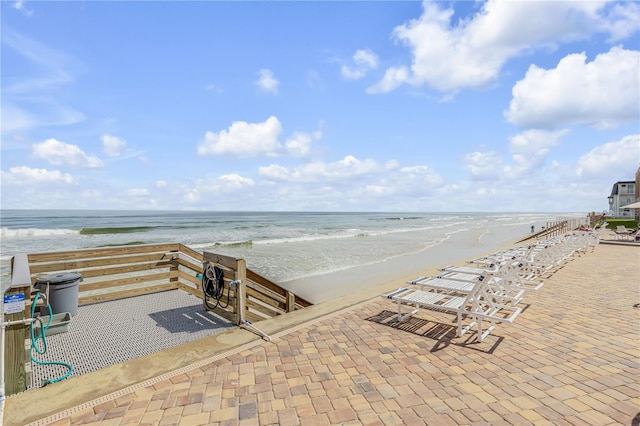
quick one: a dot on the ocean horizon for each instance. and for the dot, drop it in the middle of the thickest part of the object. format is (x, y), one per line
(282, 246)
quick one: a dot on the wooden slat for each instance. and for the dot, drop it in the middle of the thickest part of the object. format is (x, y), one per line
(188, 264)
(302, 303)
(226, 261)
(190, 278)
(121, 270)
(229, 316)
(269, 285)
(229, 309)
(277, 304)
(115, 295)
(191, 253)
(252, 317)
(269, 311)
(127, 281)
(191, 290)
(83, 264)
(265, 282)
(58, 256)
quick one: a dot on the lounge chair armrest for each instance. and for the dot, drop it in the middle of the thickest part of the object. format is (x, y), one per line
(394, 293)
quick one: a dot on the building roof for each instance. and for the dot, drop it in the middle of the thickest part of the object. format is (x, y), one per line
(614, 190)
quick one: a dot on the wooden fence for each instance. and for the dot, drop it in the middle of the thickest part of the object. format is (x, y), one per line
(560, 226)
(114, 273)
(249, 297)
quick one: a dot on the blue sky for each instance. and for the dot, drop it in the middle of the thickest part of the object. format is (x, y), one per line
(319, 106)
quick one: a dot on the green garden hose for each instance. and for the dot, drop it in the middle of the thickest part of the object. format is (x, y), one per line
(42, 336)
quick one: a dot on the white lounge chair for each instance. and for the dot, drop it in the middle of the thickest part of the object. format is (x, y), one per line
(475, 270)
(623, 233)
(510, 279)
(498, 289)
(473, 309)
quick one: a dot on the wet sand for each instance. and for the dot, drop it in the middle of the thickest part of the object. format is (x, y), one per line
(459, 247)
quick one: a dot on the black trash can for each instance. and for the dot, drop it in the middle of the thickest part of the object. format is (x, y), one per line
(63, 292)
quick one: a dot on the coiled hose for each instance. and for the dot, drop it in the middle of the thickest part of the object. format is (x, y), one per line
(213, 286)
(42, 336)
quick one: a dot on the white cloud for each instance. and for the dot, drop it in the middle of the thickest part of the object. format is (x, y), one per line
(299, 145)
(24, 175)
(393, 78)
(364, 61)
(15, 119)
(349, 183)
(138, 192)
(618, 158)
(530, 150)
(471, 53)
(203, 192)
(603, 93)
(275, 172)
(234, 182)
(622, 20)
(112, 145)
(51, 65)
(20, 5)
(32, 99)
(529, 153)
(347, 168)
(413, 180)
(213, 88)
(24, 114)
(63, 154)
(483, 165)
(267, 82)
(246, 140)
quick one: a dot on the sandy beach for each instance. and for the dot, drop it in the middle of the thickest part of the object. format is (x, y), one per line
(461, 245)
(570, 358)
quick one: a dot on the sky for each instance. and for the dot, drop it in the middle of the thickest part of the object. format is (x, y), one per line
(468, 106)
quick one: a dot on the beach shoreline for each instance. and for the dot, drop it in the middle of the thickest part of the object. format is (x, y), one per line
(457, 249)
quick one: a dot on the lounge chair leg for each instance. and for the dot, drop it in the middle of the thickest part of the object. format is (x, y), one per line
(485, 333)
(462, 330)
(401, 316)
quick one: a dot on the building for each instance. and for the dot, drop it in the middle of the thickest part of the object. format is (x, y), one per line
(637, 215)
(623, 193)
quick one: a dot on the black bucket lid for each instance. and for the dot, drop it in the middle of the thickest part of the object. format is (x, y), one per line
(62, 278)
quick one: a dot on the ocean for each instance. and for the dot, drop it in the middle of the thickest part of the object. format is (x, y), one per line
(282, 246)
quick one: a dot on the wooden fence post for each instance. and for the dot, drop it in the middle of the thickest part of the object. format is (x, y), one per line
(291, 302)
(175, 266)
(14, 348)
(241, 294)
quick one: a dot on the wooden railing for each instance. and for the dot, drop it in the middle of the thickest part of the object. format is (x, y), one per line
(114, 273)
(118, 272)
(249, 295)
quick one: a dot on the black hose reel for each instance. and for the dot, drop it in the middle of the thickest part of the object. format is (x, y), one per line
(213, 286)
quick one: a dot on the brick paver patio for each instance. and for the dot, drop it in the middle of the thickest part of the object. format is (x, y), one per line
(572, 357)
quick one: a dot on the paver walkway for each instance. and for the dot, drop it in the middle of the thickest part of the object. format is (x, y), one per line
(572, 357)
